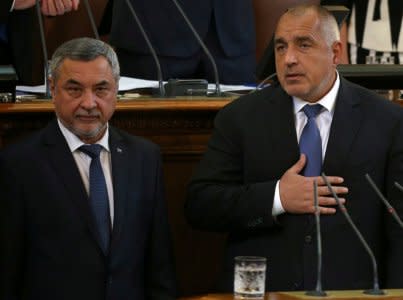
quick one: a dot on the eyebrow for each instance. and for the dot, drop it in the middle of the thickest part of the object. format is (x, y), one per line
(279, 41)
(72, 81)
(101, 83)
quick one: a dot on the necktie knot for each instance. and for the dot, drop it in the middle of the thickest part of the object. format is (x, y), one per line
(92, 150)
(311, 111)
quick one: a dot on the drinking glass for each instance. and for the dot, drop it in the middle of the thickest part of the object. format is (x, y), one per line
(249, 277)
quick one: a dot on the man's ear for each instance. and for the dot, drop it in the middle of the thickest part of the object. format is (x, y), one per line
(337, 49)
(51, 86)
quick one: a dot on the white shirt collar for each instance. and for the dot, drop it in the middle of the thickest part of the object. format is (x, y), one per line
(74, 142)
(328, 101)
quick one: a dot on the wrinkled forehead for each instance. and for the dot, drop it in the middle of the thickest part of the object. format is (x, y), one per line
(292, 24)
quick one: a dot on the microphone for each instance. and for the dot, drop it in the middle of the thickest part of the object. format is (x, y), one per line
(150, 47)
(391, 210)
(44, 49)
(91, 17)
(206, 51)
(375, 290)
(399, 187)
(318, 290)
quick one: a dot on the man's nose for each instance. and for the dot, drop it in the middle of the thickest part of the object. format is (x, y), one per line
(88, 100)
(290, 56)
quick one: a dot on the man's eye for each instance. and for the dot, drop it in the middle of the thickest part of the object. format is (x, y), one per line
(280, 48)
(73, 90)
(101, 90)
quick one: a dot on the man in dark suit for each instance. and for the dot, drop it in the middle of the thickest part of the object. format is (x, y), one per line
(226, 26)
(19, 46)
(252, 181)
(74, 226)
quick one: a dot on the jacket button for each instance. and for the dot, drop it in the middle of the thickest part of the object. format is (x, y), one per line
(308, 239)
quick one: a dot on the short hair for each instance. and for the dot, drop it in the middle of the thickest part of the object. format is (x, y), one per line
(84, 49)
(329, 27)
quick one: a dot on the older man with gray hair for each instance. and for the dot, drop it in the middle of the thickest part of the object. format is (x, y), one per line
(83, 213)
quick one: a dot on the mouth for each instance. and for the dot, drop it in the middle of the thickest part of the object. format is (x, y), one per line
(293, 76)
(87, 119)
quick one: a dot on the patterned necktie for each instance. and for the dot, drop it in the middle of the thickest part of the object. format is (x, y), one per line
(310, 142)
(98, 194)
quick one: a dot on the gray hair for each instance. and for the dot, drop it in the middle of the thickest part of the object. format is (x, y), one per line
(328, 23)
(84, 49)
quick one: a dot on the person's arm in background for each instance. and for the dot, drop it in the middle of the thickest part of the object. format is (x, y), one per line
(58, 7)
(48, 7)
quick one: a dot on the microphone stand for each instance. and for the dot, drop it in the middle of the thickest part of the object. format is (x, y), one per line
(44, 49)
(206, 51)
(386, 202)
(91, 17)
(318, 292)
(150, 47)
(375, 290)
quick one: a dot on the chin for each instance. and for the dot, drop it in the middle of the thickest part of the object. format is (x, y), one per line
(296, 92)
(88, 133)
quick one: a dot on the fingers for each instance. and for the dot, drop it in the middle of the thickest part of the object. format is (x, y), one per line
(23, 4)
(331, 179)
(326, 210)
(339, 190)
(58, 7)
(45, 8)
(327, 205)
(329, 201)
(75, 4)
(299, 165)
(67, 4)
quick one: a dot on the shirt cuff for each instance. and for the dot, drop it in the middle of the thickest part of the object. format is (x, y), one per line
(277, 207)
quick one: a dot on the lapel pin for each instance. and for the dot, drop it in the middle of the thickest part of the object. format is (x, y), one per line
(119, 150)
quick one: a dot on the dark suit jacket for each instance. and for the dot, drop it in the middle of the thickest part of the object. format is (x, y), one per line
(23, 49)
(171, 36)
(254, 143)
(49, 249)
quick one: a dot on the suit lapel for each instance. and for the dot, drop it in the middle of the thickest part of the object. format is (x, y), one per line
(282, 128)
(345, 125)
(120, 178)
(66, 169)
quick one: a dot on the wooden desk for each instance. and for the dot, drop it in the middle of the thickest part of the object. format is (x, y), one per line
(182, 129)
(331, 295)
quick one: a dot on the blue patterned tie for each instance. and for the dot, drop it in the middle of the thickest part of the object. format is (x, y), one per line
(98, 194)
(310, 142)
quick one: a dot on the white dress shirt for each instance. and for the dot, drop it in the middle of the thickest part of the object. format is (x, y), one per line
(323, 121)
(83, 161)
